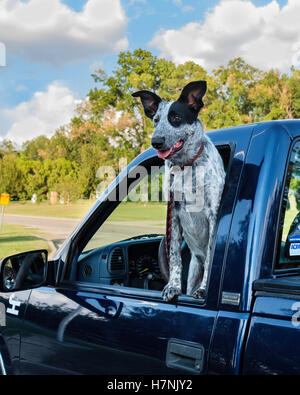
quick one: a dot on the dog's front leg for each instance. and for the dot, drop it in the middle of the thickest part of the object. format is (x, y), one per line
(173, 288)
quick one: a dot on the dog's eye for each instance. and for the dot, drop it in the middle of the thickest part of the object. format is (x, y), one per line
(156, 119)
(176, 118)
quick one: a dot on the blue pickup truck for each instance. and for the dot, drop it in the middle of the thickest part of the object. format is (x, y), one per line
(96, 306)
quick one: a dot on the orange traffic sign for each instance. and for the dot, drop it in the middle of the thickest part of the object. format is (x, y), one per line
(4, 199)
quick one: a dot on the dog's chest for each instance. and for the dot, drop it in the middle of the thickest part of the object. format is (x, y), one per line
(186, 187)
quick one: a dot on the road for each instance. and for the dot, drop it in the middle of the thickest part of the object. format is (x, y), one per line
(55, 229)
(58, 229)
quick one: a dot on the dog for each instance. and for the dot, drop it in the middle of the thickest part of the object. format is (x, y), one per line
(190, 156)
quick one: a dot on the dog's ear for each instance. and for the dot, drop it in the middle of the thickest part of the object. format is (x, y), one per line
(150, 102)
(192, 95)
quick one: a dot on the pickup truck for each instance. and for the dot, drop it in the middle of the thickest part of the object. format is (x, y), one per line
(96, 307)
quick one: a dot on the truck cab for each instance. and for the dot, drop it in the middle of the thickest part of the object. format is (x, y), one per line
(99, 308)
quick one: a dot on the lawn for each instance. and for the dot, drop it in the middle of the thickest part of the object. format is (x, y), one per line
(45, 209)
(15, 239)
(126, 211)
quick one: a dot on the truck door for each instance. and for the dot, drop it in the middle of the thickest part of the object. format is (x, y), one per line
(12, 310)
(273, 345)
(106, 314)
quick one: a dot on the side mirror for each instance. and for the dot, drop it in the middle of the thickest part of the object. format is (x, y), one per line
(23, 271)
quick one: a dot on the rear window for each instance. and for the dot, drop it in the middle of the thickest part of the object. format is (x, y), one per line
(288, 254)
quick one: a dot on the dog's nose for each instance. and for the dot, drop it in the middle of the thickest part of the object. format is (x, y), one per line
(158, 142)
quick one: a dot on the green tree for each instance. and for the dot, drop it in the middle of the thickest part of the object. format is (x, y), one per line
(294, 86)
(34, 177)
(63, 178)
(11, 178)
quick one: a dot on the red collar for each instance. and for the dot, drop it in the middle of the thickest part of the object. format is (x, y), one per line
(195, 157)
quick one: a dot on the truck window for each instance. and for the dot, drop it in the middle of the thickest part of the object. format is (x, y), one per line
(288, 252)
(123, 252)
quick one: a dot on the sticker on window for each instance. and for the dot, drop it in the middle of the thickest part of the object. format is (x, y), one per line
(295, 249)
(295, 236)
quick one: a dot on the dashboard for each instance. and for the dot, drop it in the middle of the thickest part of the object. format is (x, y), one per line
(130, 263)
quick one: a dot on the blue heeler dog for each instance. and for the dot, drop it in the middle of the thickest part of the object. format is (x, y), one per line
(194, 181)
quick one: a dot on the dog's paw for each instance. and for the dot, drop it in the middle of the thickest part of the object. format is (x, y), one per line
(199, 293)
(170, 292)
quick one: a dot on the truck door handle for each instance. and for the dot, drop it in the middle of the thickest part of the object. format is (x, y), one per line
(185, 355)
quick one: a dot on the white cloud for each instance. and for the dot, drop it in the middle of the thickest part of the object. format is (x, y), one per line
(2, 54)
(265, 36)
(47, 31)
(43, 114)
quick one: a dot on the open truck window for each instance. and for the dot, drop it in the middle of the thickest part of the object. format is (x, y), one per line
(123, 251)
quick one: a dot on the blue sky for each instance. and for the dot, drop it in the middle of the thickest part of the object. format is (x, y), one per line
(52, 47)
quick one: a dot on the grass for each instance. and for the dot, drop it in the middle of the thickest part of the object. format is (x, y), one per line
(128, 220)
(15, 239)
(45, 209)
(154, 212)
(126, 211)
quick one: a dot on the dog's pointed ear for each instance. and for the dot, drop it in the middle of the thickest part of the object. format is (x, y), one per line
(192, 95)
(150, 102)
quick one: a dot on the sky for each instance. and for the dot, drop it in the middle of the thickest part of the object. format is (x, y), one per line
(50, 48)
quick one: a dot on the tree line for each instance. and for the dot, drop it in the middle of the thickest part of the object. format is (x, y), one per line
(110, 124)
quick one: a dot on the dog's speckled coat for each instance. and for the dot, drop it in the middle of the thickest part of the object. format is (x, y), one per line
(194, 220)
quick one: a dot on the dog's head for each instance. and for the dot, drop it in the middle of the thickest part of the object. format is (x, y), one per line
(177, 128)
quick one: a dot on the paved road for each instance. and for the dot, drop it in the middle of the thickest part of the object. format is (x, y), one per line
(56, 229)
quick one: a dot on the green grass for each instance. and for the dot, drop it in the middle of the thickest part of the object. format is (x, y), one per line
(139, 212)
(45, 209)
(15, 239)
(126, 211)
(128, 220)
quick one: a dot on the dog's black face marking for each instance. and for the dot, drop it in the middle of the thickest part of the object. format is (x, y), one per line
(180, 114)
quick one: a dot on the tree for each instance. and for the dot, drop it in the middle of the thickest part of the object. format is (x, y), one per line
(63, 178)
(11, 178)
(294, 86)
(272, 97)
(34, 176)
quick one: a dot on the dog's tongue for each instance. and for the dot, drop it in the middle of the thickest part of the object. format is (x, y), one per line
(165, 154)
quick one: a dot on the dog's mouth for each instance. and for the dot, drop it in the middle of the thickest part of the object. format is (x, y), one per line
(167, 153)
